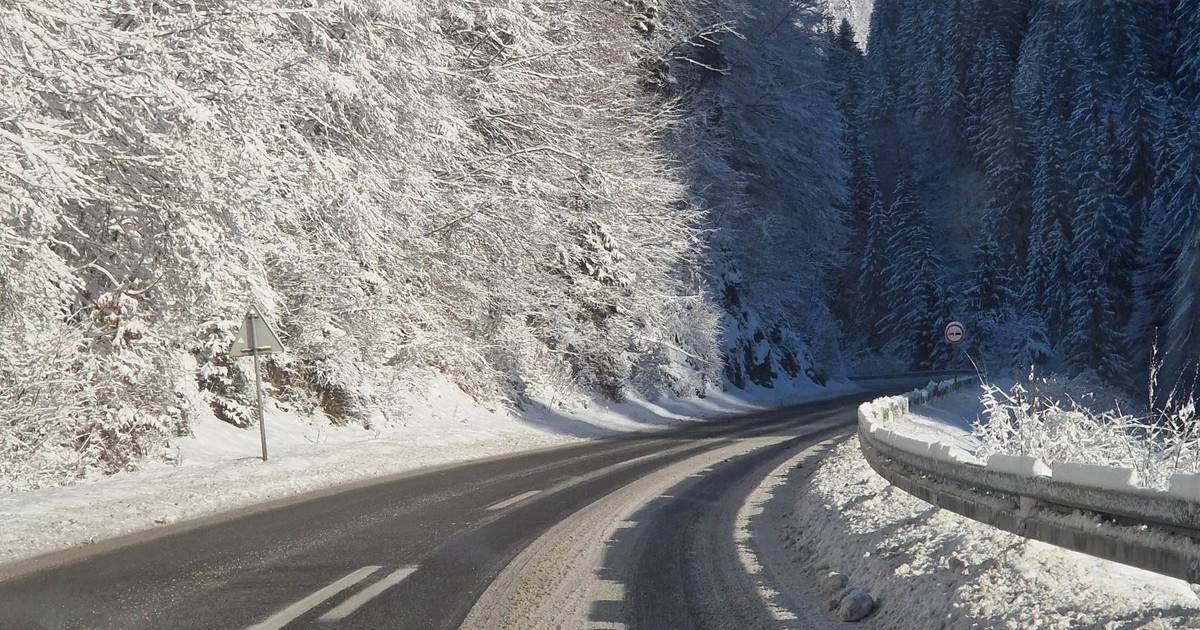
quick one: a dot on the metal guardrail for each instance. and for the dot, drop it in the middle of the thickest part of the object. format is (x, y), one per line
(1148, 529)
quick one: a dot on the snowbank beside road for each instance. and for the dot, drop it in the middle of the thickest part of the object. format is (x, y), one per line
(947, 419)
(218, 468)
(931, 568)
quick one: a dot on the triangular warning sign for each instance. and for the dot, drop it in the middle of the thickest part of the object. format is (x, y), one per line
(255, 334)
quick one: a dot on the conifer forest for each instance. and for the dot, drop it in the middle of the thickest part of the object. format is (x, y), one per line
(1030, 167)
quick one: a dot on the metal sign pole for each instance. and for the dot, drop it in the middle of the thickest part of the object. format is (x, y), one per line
(247, 343)
(954, 334)
(262, 423)
(959, 352)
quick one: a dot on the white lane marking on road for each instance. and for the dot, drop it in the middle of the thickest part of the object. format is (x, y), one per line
(513, 501)
(289, 614)
(347, 608)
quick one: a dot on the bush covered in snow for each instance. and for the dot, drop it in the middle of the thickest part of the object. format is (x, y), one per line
(1021, 421)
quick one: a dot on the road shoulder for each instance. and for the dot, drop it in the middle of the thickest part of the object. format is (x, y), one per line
(933, 568)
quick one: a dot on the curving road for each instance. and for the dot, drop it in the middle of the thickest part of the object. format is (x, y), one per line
(641, 531)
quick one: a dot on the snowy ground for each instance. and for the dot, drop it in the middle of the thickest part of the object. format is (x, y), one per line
(946, 419)
(218, 468)
(930, 568)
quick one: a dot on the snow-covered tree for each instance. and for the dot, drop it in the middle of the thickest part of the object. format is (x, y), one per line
(917, 303)
(770, 164)
(1058, 122)
(873, 266)
(1171, 254)
(1046, 281)
(517, 197)
(1094, 339)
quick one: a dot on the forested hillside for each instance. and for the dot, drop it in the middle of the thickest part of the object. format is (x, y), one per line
(1030, 167)
(521, 196)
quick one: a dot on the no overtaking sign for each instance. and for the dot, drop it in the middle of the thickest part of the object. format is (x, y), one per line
(955, 333)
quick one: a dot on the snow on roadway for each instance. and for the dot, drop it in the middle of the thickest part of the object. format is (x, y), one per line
(931, 568)
(218, 468)
(585, 571)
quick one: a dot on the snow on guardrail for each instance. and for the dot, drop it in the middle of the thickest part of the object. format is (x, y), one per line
(1098, 510)
(1091, 475)
(1185, 486)
(1022, 465)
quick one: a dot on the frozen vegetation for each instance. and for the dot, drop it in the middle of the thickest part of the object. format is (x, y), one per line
(1052, 426)
(522, 197)
(1057, 421)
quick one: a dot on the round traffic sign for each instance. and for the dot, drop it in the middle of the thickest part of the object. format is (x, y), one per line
(955, 333)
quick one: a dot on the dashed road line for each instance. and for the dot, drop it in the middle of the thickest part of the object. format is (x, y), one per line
(347, 608)
(513, 501)
(289, 614)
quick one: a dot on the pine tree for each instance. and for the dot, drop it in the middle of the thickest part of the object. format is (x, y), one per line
(987, 298)
(863, 189)
(988, 291)
(991, 81)
(1181, 361)
(897, 275)
(911, 39)
(931, 64)
(1140, 122)
(1168, 278)
(1046, 281)
(1121, 255)
(1158, 253)
(914, 291)
(1006, 19)
(1187, 52)
(883, 63)
(872, 278)
(846, 70)
(953, 81)
(1007, 167)
(1094, 339)
(1104, 31)
(1177, 244)
(1031, 337)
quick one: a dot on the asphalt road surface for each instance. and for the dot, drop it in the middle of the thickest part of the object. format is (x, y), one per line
(635, 531)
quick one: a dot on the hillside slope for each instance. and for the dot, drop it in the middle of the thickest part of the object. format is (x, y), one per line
(523, 196)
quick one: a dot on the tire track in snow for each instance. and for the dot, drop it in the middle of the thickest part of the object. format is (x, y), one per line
(578, 574)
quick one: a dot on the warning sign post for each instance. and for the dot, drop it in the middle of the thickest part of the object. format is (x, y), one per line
(256, 337)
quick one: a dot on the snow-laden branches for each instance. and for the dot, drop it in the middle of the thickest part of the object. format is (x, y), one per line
(478, 188)
(1021, 422)
(523, 195)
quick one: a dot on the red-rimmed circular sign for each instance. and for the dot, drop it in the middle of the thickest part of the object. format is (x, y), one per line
(955, 333)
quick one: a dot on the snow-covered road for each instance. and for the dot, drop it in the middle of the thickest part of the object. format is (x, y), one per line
(657, 530)
(217, 470)
(723, 525)
(665, 553)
